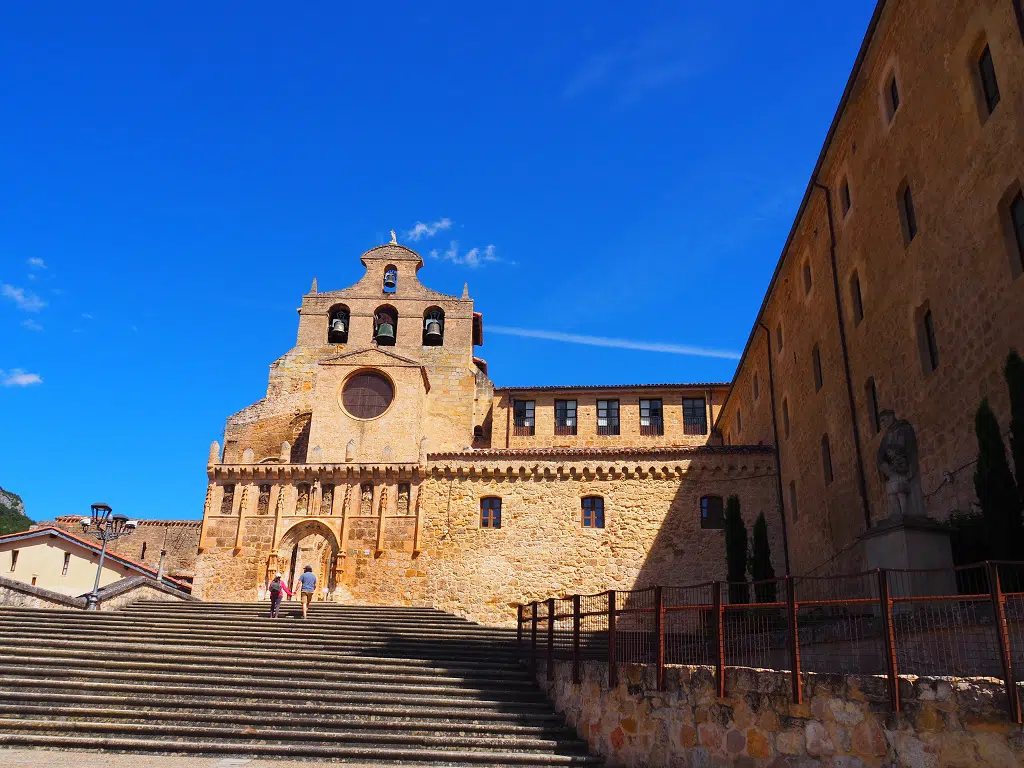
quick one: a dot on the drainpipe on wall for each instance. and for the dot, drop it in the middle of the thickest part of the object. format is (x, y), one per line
(862, 485)
(778, 458)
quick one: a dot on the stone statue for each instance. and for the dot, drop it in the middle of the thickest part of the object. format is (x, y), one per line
(898, 466)
(313, 288)
(394, 238)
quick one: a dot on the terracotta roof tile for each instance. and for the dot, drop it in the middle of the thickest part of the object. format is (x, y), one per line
(583, 453)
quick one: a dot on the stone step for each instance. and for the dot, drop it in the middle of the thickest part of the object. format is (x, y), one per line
(71, 647)
(111, 712)
(197, 704)
(279, 731)
(286, 696)
(309, 684)
(286, 669)
(339, 752)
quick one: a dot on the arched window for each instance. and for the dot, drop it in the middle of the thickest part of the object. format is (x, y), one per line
(712, 513)
(390, 279)
(385, 326)
(593, 511)
(490, 512)
(433, 327)
(337, 324)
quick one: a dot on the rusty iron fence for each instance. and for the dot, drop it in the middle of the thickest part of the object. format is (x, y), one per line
(961, 622)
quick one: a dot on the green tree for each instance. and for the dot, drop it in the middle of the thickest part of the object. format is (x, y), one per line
(1015, 382)
(761, 562)
(996, 490)
(736, 551)
(12, 514)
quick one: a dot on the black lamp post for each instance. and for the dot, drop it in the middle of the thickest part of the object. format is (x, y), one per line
(106, 527)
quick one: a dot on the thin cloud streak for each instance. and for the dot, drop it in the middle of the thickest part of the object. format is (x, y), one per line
(421, 230)
(602, 341)
(19, 378)
(26, 300)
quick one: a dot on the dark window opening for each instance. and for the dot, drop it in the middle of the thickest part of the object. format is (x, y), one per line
(67, 562)
(433, 327)
(143, 555)
(793, 510)
(826, 459)
(844, 197)
(593, 512)
(739, 421)
(712, 512)
(1017, 222)
(695, 416)
(929, 344)
(856, 298)
(989, 84)
(607, 417)
(385, 326)
(894, 97)
(650, 418)
(756, 388)
(816, 364)
(490, 512)
(337, 325)
(907, 215)
(14, 559)
(523, 422)
(872, 397)
(785, 416)
(565, 417)
(808, 282)
(778, 335)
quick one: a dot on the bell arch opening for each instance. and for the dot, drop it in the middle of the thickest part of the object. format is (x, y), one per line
(337, 324)
(433, 327)
(385, 325)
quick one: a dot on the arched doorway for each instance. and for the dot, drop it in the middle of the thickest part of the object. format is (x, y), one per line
(309, 543)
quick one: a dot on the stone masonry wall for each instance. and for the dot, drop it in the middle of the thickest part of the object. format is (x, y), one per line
(844, 722)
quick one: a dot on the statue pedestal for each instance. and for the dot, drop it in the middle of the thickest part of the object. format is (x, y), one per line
(913, 546)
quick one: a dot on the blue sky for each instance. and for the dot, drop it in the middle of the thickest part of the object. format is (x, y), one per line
(172, 182)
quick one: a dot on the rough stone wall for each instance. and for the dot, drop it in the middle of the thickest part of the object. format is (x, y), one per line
(139, 592)
(844, 722)
(961, 265)
(182, 541)
(586, 402)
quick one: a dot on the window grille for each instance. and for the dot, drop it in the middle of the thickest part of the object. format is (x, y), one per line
(695, 416)
(565, 417)
(607, 417)
(651, 418)
(523, 422)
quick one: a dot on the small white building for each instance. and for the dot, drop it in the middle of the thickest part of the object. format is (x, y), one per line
(53, 559)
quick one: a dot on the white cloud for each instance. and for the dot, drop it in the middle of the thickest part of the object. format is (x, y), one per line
(31, 325)
(26, 300)
(18, 378)
(36, 263)
(421, 230)
(87, 316)
(602, 341)
(472, 258)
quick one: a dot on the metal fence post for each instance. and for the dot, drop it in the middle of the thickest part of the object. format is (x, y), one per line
(719, 638)
(519, 626)
(1003, 639)
(576, 639)
(794, 639)
(551, 638)
(659, 636)
(889, 638)
(533, 634)
(613, 673)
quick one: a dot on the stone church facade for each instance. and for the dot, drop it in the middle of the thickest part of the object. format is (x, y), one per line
(384, 456)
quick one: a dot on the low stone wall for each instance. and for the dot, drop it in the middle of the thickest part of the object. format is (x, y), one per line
(844, 722)
(15, 594)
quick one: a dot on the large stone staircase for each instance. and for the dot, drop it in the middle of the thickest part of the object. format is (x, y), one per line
(362, 684)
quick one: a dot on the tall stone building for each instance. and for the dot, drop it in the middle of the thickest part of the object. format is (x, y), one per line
(899, 287)
(384, 457)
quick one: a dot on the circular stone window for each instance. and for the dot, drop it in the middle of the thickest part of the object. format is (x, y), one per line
(367, 395)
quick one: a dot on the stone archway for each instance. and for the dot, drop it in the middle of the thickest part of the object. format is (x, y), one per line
(309, 542)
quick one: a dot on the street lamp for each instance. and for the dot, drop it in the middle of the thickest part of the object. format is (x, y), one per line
(105, 527)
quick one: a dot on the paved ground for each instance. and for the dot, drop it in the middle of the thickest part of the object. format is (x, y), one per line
(45, 758)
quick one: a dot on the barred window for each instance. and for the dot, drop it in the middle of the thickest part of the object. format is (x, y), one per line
(607, 417)
(593, 512)
(695, 416)
(712, 512)
(650, 418)
(565, 417)
(490, 512)
(522, 417)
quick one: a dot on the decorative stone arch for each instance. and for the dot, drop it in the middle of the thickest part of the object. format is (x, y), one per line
(325, 553)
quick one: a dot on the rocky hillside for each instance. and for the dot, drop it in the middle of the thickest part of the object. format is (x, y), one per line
(12, 513)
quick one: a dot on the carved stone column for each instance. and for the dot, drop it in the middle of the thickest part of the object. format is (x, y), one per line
(207, 507)
(278, 512)
(381, 512)
(243, 509)
(417, 530)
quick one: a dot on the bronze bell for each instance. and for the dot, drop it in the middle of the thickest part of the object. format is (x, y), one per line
(433, 330)
(385, 333)
(337, 325)
(390, 279)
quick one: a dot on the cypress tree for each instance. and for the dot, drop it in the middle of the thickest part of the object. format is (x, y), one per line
(736, 551)
(761, 562)
(994, 485)
(1015, 382)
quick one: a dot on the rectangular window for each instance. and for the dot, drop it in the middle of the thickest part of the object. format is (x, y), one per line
(593, 512)
(607, 417)
(931, 347)
(650, 418)
(872, 397)
(816, 364)
(894, 97)
(793, 511)
(14, 559)
(826, 459)
(695, 416)
(856, 299)
(565, 417)
(844, 197)
(490, 512)
(67, 562)
(712, 514)
(522, 417)
(227, 501)
(989, 84)
(1017, 220)
(908, 215)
